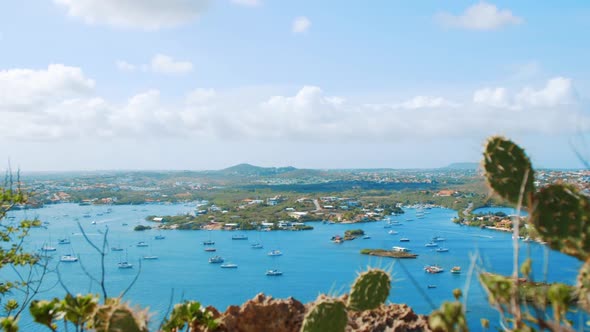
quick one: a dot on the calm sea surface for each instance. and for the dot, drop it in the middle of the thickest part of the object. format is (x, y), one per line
(311, 263)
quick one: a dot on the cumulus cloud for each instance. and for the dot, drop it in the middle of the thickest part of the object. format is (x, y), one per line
(200, 96)
(60, 102)
(301, 24)
(556, 92)
(481, 16)
(495, 97)
(167, 65)
(24, 89)
(160, 63)
(151, 15)
(247, 3)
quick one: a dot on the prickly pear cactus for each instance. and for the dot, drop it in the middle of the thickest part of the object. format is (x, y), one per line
(561, 215)
(116, 317)
(449, 317)
(326, 315)
(370, 290)
(583, 287)
(506, 165)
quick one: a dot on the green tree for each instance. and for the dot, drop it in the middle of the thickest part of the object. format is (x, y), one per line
(15, 295)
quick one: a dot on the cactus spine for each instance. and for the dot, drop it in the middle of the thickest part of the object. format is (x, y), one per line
(117, 317)
(370, 290)
(507, 166)
(562, 216)
(326, 315)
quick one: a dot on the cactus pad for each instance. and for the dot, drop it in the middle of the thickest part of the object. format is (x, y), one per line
(583, 286)
(370, 290)
(327, 315)
(116, 317)
(506, 165)
(561, 215)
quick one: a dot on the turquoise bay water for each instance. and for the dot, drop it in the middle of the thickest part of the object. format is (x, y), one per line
(311, 263)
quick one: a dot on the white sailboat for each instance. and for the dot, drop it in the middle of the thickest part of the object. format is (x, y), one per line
(124, 264)
(68, 258)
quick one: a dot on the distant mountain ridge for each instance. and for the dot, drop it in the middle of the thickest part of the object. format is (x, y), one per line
(251, 170)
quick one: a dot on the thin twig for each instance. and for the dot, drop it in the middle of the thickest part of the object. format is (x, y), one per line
(420, 290)
(102, 254)
(168, 309)
(134, 280)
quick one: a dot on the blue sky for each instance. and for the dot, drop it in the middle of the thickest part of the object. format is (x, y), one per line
(204, 84)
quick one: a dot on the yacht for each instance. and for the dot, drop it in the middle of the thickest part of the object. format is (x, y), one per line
(93, 222)
(125, 265)
(431, 286)
(208, 242)
(239, 237)
(438, 239)
(399, 249)
(141, 244)
(216, 260)
(456, 269)
(442, 250)
(275, 252)
(150, 257)
(256, 246)
(210, 249)
(366, 237)
(47, 247)
(116, 249)
(404, 239)
(392, 232)
(274, 272)
(67, 258)
(433, 269)
(229, 266)
(431, 244)
(63, 241)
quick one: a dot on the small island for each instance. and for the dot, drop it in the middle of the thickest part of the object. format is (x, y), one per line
(352, 234)
(388, 253)
(141, 228)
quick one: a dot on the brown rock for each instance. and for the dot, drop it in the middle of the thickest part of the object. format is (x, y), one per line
(264, 314)
(387, 318)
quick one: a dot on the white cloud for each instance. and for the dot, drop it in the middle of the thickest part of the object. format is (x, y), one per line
(167, 65)
(557, 91)
(481, 16)
(60, 102)
(25, 89)
(143, 14)
(200, 96)
(495, 97)
(427, 102)
(160, 63)
(247, 3)
(301, 24)
(415, 103)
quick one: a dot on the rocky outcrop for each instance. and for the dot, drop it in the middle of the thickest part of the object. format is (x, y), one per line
(266, 314)
(387, 318)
